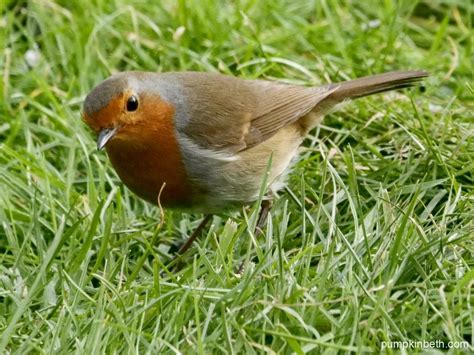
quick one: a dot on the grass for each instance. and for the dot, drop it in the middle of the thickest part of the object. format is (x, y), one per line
(372, 241)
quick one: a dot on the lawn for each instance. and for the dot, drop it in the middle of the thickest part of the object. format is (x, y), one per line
(371, 242)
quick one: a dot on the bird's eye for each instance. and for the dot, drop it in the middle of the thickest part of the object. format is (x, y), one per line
(132, 104)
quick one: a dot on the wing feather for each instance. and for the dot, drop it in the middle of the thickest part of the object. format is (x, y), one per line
(236, 114)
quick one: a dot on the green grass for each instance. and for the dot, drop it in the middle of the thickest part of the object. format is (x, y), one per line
(372, 240)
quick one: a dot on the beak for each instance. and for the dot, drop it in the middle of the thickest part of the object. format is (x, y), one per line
(105, 135)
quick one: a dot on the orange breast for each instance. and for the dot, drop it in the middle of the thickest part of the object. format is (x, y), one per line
(147, 157)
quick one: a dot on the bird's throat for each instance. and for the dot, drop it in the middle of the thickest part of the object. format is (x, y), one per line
(148, 160)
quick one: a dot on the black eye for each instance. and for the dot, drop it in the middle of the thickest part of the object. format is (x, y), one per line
(132, 104)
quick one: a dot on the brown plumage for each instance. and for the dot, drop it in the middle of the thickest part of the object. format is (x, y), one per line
(208, 137)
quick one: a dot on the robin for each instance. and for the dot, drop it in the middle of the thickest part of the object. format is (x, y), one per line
(201, 142)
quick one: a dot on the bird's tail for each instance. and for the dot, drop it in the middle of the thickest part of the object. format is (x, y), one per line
(374, 84)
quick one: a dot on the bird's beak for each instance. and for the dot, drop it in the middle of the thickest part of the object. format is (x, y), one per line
(105, 135)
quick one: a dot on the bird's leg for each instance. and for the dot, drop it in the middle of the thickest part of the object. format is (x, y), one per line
(265, 207)
(175, 260)
(195, 234)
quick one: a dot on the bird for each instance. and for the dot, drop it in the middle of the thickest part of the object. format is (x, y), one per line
(201, 142)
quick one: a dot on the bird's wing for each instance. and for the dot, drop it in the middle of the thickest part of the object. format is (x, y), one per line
(232, 114)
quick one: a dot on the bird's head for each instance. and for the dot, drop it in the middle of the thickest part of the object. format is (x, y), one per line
(121, 106)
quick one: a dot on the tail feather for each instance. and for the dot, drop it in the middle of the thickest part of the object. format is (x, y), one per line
(374, 84)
